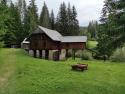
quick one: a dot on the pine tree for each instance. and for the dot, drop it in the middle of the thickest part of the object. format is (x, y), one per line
(70, 21)
(32, 17)
(22, 9)
(26, 20)
(13, 36)
(66, 21)
(62, 20)
(4, 14)
(112, 26)
(44, 17)
(75, 21)
(52, 20)
(93, 29)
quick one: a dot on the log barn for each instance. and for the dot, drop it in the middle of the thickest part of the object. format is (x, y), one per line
(52, 45)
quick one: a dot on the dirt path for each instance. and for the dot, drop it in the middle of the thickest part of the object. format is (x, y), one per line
(8, 67)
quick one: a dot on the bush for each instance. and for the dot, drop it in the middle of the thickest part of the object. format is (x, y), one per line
(86, 55)
(119, 55)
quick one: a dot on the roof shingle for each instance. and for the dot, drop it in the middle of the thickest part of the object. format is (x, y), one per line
(56, 36)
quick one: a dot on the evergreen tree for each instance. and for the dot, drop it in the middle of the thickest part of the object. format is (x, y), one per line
(22, 9)
(66, 22)
(93, 29)
(31, 17)
(113, 26)
(13, 35)
(75, 21)
(52, 20)
(70, 21)
(26, 20)
(4, 16)
(62, 20)
(44, 17)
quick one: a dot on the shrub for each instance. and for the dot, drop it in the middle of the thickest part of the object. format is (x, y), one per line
(86, 55)
(119, 55)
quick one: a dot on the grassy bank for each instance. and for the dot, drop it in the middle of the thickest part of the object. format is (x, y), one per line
(35, 76)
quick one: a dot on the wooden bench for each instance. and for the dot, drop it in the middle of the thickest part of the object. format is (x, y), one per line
(80, 67)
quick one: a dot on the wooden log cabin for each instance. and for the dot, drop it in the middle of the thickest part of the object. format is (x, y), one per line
(52, 42)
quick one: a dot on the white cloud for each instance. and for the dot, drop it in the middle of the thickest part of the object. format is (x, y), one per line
(87, 9)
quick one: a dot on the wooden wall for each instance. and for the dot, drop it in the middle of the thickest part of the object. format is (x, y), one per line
(42, 41)
(73, 45)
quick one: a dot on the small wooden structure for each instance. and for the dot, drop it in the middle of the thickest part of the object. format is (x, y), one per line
(81, 67)
(25, 44)
(43, 39)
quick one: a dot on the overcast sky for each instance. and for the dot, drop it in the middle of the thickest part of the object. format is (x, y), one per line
(87, 9)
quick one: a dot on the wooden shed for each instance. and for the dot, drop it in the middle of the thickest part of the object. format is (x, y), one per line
(49, 40)
(25, 44)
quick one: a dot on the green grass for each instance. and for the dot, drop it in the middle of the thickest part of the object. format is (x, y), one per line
(36, 76)
(92, 44)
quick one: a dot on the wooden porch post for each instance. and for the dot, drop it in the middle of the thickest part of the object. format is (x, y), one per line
(73, 52)
(34, 53)
(66, 53)
(59, 54)
(46, 54)
(40, 54)
(82, 53)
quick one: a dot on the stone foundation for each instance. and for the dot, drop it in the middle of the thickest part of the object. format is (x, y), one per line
(62, 54)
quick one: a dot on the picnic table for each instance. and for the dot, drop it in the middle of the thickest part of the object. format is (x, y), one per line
(80, 67)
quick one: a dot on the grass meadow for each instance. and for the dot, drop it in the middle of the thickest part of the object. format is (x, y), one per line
(22, 74)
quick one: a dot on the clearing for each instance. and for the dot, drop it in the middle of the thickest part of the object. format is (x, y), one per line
(22, 74)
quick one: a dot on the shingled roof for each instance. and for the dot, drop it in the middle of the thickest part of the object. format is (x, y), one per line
(74, 39)
(56, 36)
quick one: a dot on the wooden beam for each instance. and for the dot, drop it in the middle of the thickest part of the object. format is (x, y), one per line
(34, 53)
(46, 54)
(40, 54)
(66, 53)
(73, 53)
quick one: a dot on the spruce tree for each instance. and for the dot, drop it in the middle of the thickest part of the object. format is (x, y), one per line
(44, 17)
(4, 14)
(13, 36)
(52, 20)
(26, 20)
(32, 17)
(112, 27)
(70, 20)
(62, 20)
(75, 21)
(93, 29)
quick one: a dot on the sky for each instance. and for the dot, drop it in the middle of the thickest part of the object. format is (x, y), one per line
(87, 10)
